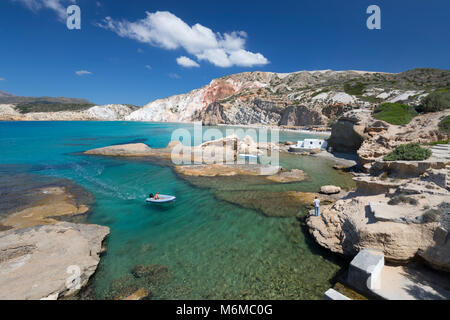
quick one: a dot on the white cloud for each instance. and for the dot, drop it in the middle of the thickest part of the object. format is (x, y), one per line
(174, 76)
(2, 79)
(59, 6)
(149, 67)
(82, 72)
(165, 30)
(186, 62)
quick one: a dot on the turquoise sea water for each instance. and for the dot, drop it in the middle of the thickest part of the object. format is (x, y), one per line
(213, 249)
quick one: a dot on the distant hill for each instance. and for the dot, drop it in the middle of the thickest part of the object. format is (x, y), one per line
(300, 98)
(8, 98)
(4, 94)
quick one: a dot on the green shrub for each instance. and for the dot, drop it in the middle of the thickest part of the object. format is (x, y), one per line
(447, 141)
(395, 113)
(437, 101)
(432, 215)
(444, 125)
(52, 107)
(319, 92)
(354, 89)
(371, 99)
(402, 199)
(384, 176)
(409, 152)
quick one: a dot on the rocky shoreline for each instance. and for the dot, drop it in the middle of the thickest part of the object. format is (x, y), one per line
(400, 208)
(42, 257)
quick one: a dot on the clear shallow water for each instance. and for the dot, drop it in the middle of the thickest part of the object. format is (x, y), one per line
(213, 249)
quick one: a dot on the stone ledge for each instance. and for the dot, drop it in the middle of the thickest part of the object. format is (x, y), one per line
(332, 294)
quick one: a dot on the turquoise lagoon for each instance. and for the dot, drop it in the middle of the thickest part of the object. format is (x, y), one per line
(213, 249)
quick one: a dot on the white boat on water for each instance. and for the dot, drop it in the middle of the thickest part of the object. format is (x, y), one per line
(162, 199)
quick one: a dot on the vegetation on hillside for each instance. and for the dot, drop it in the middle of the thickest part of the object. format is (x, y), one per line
(395, 113)
(355, 89)
(7, 98)
(52, 107)
(432, 215)
(438, 142)
(409, 152)
(444, 125)
(402, 198)
(436, 101)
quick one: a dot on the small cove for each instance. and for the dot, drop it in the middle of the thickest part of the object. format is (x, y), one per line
(212, 248)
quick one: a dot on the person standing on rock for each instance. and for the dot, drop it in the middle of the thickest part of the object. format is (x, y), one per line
(316, 206)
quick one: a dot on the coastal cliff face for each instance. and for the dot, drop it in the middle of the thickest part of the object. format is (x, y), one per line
(301, 98)
(110, 112)
(291, 99)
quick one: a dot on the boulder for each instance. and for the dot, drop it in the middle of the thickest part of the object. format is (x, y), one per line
(330, 189)
(347, 134)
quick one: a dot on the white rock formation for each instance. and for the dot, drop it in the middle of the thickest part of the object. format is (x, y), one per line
(49, 261)
(110, 112)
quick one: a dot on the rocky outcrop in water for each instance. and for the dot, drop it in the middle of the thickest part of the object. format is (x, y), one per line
(224, 150)
(50, 261)
(330, 189)
(41, 257)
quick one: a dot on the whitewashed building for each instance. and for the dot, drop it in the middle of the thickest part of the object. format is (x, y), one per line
(309, 144)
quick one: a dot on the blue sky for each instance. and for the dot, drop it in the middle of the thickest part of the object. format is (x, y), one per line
(136, 57)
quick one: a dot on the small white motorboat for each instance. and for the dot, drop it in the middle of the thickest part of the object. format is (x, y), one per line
(162, 199)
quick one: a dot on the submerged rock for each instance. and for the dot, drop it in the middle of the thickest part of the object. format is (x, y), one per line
(140, 294)
(55, 202)
(154, 273)
(49, 260)
(272, 204)
(293, 175)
